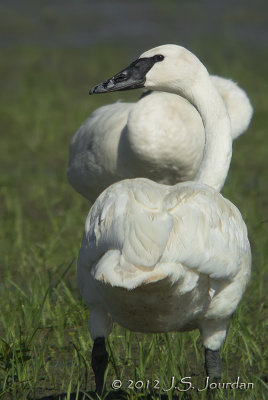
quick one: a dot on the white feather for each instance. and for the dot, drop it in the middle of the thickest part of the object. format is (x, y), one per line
(157, 258)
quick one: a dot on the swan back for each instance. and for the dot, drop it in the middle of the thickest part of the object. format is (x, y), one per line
(139, 231)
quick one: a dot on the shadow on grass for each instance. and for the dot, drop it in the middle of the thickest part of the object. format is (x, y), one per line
(118, 395)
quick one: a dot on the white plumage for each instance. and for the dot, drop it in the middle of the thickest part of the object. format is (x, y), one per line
(161, 258)
(160, 137)
(158, 258)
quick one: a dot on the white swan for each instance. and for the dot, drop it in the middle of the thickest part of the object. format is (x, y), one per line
(159, 258)
(160, 137)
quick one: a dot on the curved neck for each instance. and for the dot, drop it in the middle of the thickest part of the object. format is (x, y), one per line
(217, 154)
(218, 146)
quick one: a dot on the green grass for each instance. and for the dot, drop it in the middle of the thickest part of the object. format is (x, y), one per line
(45, 347)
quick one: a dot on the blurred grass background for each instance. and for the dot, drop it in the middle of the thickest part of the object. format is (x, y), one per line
(51, 53)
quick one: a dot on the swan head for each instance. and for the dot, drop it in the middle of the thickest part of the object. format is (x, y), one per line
(169, 68)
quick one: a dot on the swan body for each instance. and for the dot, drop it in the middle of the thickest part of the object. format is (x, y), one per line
(160, 137)
(159, 258)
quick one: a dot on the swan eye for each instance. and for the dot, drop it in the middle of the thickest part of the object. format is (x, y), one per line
(158, 57)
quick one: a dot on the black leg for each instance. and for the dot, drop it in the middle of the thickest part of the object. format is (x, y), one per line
(213, 363)
(99, 362)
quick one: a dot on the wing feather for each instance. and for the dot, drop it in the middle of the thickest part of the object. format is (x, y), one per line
(139, 231)
(208, 234)
(127, 232)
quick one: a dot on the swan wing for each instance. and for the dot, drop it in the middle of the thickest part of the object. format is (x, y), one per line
(208, 235)
(126, 233)
(139, 232)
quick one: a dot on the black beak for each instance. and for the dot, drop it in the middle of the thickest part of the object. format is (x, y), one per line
(132, 77)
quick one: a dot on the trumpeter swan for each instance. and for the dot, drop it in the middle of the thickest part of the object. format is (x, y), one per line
(159, 258)
(160, 137)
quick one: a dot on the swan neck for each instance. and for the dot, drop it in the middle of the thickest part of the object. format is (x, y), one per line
(218, 143)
